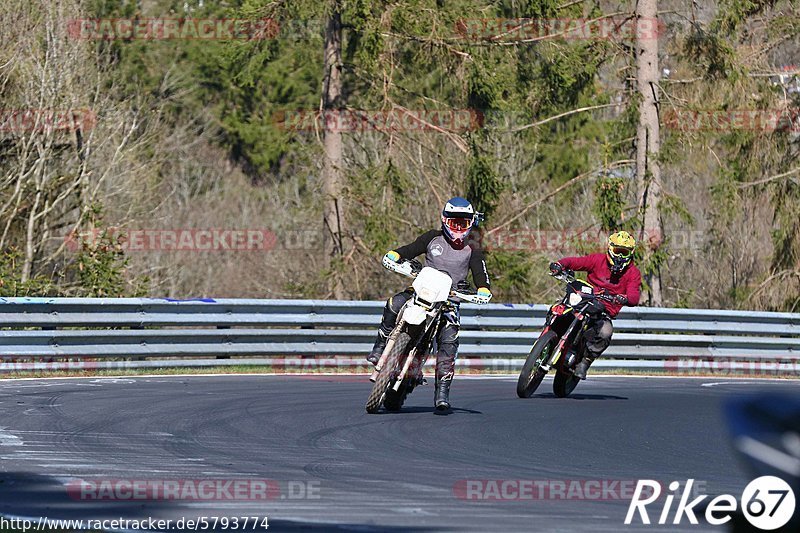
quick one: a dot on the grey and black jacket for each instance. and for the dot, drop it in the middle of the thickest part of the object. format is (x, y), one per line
(441, 255)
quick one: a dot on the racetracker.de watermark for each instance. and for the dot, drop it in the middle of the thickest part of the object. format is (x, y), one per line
(584, 29)
(548, 240)
(178, 239)
(44, 120)
(719, 120)
(91, 490)
(549, 489)
(160, 29)
(394, 120)
(729, 366)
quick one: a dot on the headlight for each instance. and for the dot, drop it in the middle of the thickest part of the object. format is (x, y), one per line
(426, 295)
(574, 299)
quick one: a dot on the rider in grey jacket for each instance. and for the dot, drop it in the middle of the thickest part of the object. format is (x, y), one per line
(447, 250)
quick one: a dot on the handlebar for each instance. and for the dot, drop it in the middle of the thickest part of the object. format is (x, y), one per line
(411, 268)
(568, 276)
(407, 268)
(470, 297)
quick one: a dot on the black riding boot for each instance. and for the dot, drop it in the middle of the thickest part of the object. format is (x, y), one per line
(377, 350)
(583, 367)
(441, 399)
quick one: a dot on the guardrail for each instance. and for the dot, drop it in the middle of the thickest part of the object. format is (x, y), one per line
(142, 328)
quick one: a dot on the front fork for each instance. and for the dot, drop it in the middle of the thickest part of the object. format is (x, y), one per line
(431, 326)
(389, 345)
(385, 355)
(409, 358)
(560, 348)
(404, 371)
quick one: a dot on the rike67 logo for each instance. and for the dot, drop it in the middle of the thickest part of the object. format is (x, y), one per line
(767, 502)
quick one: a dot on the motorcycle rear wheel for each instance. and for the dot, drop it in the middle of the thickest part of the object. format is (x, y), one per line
(564, 383)
(532, 374)
(380, 388)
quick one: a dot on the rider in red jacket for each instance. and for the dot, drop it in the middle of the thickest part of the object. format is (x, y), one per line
(614, 274)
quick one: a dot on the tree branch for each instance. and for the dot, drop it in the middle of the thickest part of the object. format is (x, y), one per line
(615, 164)
(561, 115)
(771, 178)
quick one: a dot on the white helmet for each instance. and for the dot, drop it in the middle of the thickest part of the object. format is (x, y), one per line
(458, 219)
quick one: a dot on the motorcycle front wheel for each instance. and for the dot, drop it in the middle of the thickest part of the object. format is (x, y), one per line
(394, 400)
(381, 386)
(532, 374)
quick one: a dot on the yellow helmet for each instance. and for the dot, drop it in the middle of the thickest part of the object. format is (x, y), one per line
(620, 250)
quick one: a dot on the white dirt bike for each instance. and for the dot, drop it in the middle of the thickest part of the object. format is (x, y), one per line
(399, 369)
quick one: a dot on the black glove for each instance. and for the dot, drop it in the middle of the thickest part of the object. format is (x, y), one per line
(463, 286)
(620, 299)
(595, 308)
(416, 266)
(556, 268)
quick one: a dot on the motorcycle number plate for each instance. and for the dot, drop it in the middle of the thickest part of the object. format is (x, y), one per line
(414, 314)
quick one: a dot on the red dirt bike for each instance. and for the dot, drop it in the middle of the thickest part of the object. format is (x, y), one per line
(561, 344)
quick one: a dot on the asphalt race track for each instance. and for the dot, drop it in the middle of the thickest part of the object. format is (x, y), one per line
(331, 466)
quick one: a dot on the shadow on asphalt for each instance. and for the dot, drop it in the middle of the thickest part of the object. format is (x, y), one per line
(420, 409)
(582, 396)
(31, 495)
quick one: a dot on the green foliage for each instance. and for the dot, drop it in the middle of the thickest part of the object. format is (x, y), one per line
(398, 181)
(511, 273)
(529, 8)
(377, 234)
(609, 202)
(651, 264)
(672, 204)
(563, 75)
(365, 43)
(726, 197)
(734, 12)
(243, 86)
(254, 84)
(372, 224)
(11, 283)
(407, 53)
(483, 185)
(581, 142)
(490, 80)
(712, 53)
(101, 263)
(786, 234)
(686, 299)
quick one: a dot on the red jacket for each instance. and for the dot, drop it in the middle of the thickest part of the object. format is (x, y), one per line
(599, 275)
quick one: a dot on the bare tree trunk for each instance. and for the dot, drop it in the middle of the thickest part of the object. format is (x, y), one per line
(332, 170)
(648, 141)
(30, 236)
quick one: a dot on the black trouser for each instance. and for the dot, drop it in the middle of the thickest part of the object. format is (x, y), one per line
(598, 334)
(447, 339)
